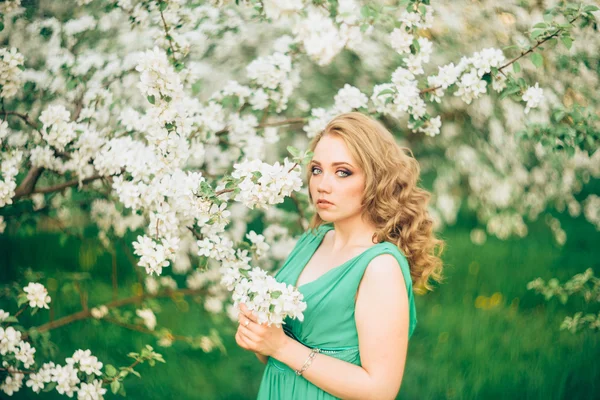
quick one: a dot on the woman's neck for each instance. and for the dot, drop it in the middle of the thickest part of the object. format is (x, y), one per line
(352, 233)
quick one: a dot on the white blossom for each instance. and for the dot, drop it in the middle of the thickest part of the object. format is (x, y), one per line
(11, 76)
(147, 317)
(91, 391)
(37, 295)
(533, 96)
(349, 98)
(401, 40)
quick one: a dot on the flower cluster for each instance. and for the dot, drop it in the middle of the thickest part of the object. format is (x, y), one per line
(274, 74)
(348, 98)
(263, 184)
(320, 37)
(533, 96)
(11, 78)
(37, 295)
(148, 317)
(71, 378)
(9, 168)
(105, 214)
(270, 300)
(158, 79)
(57, 130)
(154, 256)
(9, 6)
(276, 9)
(260, 246)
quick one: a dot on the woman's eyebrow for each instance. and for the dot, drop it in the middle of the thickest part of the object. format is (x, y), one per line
(333, 163)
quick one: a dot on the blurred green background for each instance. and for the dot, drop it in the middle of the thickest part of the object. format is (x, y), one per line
(480, 335)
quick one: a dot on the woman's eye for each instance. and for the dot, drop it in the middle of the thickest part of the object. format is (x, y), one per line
(343, 173)
(314, 170)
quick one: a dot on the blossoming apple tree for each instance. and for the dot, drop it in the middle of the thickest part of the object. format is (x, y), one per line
(179, 122)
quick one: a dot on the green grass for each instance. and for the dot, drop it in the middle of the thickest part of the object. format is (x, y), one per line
(458, 351)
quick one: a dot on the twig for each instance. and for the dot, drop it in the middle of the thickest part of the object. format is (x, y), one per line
(142, 329)
(168, 35)
(20, 311)
(432, 89)
(536, 46)
(196, 234)
(82, 296)
(24, 117)
(301, 217)
(115, 287)
(223, 191)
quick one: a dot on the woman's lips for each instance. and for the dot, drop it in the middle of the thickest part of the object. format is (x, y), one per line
(324, 204)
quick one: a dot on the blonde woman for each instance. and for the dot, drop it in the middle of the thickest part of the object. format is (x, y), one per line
(370, 241)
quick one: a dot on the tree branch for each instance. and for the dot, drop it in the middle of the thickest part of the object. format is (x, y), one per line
(27, 186)
(290, 121)
(84, 314)
(24, 117)
(56, 188)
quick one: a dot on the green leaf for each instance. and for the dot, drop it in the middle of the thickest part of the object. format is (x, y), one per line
(1, 26)
(163, 6)
(114, 386)
(385, 91)
(536, 33)
(293, 151)
(151, 99)
(516, 67)
(548, 17)
(588, 9)
(567, 41)
(541, 25)
(537, 59)
(136, 373)
(50, 386)
(364, 11)
(110, 370)
(416, 45)
(22, 300)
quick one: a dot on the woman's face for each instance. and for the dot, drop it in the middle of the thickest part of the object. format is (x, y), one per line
(336, 182)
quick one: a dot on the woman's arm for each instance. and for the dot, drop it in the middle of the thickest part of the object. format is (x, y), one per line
(382, 323)
(263, 359)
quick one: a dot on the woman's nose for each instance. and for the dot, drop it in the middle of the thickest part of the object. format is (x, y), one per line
(324, 184)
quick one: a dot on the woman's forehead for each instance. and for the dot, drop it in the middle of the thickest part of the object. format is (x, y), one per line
(332, 149)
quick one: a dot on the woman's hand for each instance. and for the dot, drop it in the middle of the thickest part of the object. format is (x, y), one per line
(262, 339)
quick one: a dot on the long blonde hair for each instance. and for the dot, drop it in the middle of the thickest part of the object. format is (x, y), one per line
(392, 200)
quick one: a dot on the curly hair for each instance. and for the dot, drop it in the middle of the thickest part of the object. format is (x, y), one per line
(392, 200)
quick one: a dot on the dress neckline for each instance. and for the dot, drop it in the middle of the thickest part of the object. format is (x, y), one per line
(318, 242)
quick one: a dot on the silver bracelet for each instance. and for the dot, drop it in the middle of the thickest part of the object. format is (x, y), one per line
(309, 360)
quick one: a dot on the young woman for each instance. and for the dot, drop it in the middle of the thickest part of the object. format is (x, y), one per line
(371, 239)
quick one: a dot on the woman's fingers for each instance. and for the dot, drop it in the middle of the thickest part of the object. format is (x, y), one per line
(250, 325)
(248, 334)
(247, 313)
(241, 341)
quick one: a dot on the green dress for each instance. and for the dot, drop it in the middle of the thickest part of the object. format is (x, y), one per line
(329, 317)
